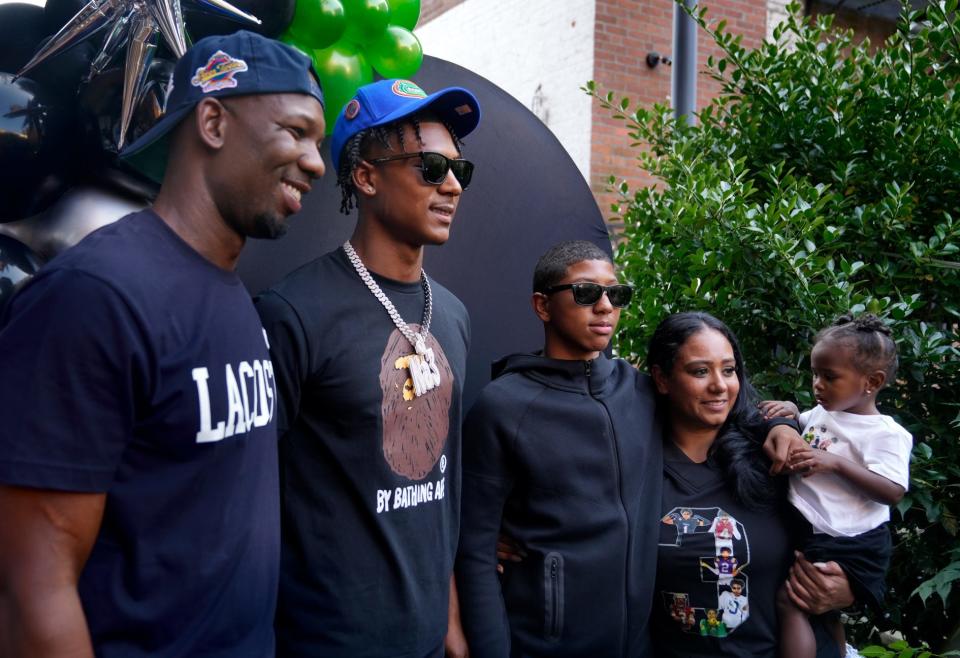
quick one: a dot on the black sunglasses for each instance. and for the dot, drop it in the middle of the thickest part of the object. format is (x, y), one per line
(435, 166)
(588, 294)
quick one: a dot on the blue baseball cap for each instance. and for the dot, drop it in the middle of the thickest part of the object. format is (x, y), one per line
(386, 101)
(237, 64)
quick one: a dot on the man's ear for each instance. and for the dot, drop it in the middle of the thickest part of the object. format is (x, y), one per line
(365, 178)
(211, 119)
(541, 306)
(659, 379)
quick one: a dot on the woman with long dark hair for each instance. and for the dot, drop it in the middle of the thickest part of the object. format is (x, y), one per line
(724, 547)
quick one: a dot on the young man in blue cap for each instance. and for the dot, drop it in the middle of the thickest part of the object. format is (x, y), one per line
(369, 356)
(140, 498)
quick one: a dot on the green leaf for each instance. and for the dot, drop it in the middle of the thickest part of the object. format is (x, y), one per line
(874, 651)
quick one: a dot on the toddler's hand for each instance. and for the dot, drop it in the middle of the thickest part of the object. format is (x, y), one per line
(808, 461)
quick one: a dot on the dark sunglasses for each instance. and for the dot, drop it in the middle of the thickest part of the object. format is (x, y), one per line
(435, 166)
(588, 294)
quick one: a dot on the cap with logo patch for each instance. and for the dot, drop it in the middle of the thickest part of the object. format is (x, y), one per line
(238, 64)
(387, 101)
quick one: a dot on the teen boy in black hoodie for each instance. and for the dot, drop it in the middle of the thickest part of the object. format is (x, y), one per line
(561, 450)
(562, 453)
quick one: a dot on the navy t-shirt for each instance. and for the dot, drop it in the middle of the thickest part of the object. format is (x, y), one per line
(135, 367)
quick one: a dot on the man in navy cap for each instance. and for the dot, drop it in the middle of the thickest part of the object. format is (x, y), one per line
(369, 356)
(140, 499)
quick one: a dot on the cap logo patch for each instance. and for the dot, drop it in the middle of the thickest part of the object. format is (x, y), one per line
(218, 72)
(463, 109)
(352, 109)
(408, 89)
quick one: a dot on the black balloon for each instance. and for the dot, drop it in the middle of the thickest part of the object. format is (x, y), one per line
(58, 12)
(21, 29)
(32, 133)
(275, 14)
(100, 102)
(61, 75)
(17, 265)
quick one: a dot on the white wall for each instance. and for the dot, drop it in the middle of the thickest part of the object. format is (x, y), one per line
(539, 51)
(776, 14)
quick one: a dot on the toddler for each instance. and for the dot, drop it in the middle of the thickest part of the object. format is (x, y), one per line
(853, 464)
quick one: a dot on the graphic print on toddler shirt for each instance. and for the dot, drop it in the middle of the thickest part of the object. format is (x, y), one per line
(818, 437)
(717, 603)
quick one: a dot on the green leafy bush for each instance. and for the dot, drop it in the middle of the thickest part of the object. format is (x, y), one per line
(901, 649)
(824, 179)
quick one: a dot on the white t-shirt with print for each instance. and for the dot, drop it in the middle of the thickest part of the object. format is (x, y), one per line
(832, 504)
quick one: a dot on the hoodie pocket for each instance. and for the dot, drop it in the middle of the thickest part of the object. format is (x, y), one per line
(553, 596)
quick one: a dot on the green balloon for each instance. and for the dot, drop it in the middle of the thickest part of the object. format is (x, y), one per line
(404, 13)
(366, 19)
(291, 39)
(342, 69)
(397, 54)
(317, 23)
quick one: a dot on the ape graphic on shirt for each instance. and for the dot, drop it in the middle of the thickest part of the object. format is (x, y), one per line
(414, 427)
(716, 602)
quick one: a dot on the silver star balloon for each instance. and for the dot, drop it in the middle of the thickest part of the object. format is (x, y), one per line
(93, 17)
(140, 51)
(168, 17)
(134, 24)
(115, 40)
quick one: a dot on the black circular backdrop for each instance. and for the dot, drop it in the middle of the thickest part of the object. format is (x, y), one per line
(526, 195)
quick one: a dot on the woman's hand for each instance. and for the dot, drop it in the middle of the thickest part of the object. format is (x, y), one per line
(781, 442)
(818, 587)
(778, 408)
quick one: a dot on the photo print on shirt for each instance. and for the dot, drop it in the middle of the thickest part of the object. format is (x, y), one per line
(718, 549)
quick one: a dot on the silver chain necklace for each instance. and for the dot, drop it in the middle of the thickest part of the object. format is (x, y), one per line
(422, 367)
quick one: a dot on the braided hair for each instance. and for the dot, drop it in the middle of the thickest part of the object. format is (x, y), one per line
(871, 340)
(358, 146)
(738, 448)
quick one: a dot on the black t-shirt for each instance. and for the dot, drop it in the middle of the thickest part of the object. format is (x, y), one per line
(719, 566)
(370, 480)
(135, 367)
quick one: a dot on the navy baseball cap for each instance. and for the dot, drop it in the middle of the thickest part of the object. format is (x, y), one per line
(237, 64)
(387, 101)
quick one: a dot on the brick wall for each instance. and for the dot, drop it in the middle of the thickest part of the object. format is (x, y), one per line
(626, 31)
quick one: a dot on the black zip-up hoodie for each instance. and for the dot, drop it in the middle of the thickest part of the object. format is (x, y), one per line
(567, 457)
